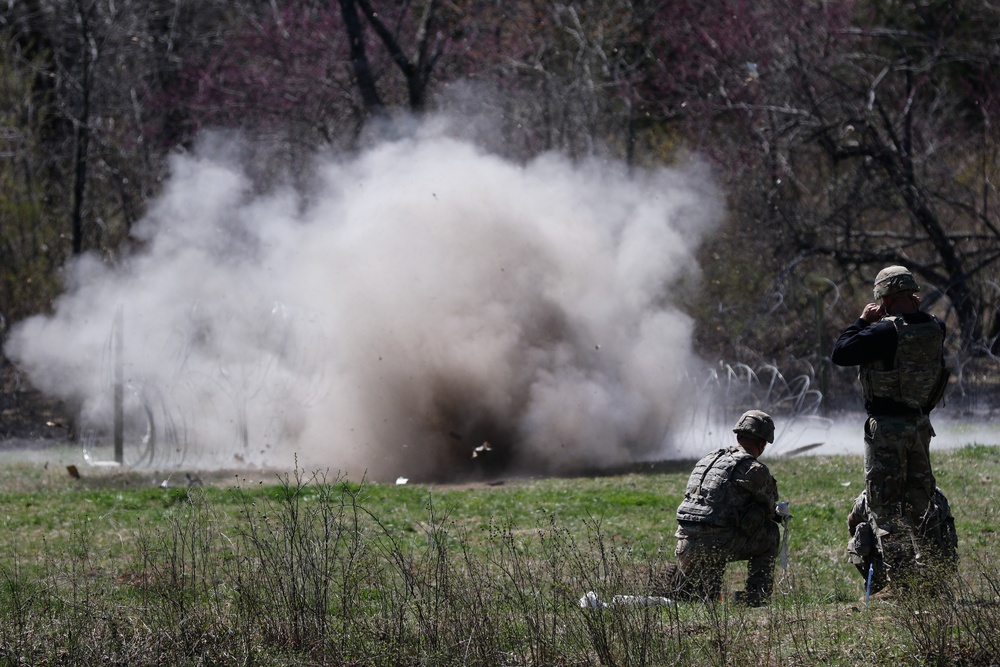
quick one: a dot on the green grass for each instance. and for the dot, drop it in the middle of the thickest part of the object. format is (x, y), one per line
(312, 569)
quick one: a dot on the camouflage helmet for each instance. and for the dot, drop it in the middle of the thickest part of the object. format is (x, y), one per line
(893, 280)
(756, 423)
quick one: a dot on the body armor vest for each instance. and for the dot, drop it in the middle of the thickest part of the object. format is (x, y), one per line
(916, 368)
(709, 498)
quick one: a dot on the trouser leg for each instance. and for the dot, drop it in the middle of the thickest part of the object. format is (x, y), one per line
(761, 552)
(895, 484)
(919, 482)
(702, 565)
(760, 579)
(864, 553)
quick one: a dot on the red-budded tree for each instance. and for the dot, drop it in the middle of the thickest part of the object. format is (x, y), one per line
(320, 73)
(897, 122)
(850, 135)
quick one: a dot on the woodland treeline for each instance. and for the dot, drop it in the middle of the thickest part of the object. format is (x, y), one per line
(846, 135)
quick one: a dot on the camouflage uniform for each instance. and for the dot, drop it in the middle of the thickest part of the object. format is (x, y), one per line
(899, 483)
(901, 366)
(728, 514)
(936, 533)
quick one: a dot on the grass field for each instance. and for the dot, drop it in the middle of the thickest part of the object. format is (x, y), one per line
(308, 569)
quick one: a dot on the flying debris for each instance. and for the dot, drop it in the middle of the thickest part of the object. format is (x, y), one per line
(803, 449)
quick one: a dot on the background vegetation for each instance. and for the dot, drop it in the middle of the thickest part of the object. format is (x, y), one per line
(847, 135)
(117, 568)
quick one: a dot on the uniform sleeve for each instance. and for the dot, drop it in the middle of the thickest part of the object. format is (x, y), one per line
(757, 484)
(858, 514)
(862, 343)
(759, 492)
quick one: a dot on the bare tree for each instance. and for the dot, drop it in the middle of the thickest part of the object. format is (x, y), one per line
(857, 135)
(30, 247)
(896, 121)
(415, 68)
(309, 74)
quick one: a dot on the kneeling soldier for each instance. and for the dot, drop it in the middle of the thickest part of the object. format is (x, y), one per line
(728, 514)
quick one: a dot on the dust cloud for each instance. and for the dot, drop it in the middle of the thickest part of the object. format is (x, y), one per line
(426, 310)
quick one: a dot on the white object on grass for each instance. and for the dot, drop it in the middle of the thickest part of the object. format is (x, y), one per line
(591, 601)
(640, 601)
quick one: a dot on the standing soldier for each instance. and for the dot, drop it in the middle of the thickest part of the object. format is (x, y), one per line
(900, 352)
(729, 514)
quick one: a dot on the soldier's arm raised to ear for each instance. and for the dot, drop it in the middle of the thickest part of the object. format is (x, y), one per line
(862, 343)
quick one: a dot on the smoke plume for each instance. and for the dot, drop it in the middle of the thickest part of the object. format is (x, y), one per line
(426, 310)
